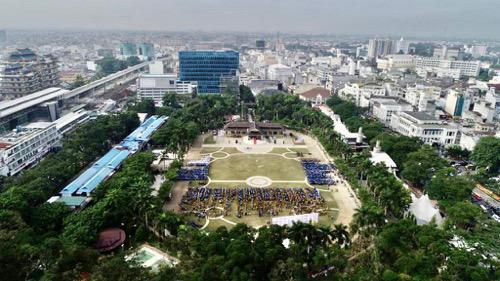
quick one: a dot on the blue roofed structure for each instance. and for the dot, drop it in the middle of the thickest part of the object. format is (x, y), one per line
(106, 166)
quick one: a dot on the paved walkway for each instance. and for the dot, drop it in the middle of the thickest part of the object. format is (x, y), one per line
(342, 192)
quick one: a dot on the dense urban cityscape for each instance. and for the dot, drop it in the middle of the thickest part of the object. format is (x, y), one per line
(243, 155)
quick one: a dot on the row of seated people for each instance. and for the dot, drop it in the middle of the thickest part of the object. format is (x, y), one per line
(318, 173)
(270, 201)
(186, 174)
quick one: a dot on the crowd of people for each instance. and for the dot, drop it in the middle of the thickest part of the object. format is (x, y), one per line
(318, 173)
(250, 200)
(192, 174)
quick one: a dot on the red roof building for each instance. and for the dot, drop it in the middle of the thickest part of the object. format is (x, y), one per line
(317, 95)
(110, 239)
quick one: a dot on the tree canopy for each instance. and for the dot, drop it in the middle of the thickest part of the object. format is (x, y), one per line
(486, 154)
(447, 185)
(420, 166)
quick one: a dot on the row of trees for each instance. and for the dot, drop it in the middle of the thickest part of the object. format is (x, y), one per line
(200, 114)
(353, 117)
(269, 253)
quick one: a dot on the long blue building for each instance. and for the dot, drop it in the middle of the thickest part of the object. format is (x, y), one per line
(77, 192)
(208, 68)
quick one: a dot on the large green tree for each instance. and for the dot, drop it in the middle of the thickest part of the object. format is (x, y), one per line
(486, 154)
(447, 185)
(78, 82)
(421, 165)
(397, 146)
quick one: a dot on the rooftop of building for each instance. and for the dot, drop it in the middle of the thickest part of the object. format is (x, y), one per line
(250, 125)
(384, 158)
(22, 133)
(163, 75)
(87, 181)
(22, 54)
(209, 52)
(313, 93)
(422, 116)
(70, 118)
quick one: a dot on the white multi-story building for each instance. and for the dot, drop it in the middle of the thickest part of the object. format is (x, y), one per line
(26, 146)
(485, 111)
(422, 97)
(381, 47)
(280, 72)
(156, 67)
(383, 109)
(479, 50)
(425, 127)
(493, 99)
(360, 94)
(391, 62)
(446, 53)
(402, 46)
(448, 68)
(154, 86)
(468, 140)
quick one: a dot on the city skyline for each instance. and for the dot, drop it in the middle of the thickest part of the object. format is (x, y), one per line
(445, 19)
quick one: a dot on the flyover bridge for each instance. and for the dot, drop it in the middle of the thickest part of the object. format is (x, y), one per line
(46, 102)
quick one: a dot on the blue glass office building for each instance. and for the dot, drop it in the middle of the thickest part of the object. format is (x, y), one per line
(207, 68)
(146, 50)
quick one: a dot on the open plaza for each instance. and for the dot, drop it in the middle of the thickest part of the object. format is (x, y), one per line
(243, 179)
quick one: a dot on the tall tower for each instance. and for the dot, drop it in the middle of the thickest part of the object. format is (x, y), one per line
(280, 47)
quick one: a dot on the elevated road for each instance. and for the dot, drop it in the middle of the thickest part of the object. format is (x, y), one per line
(20, 110)
(120, 77)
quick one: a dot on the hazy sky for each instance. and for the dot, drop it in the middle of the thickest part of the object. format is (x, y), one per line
(450, 18)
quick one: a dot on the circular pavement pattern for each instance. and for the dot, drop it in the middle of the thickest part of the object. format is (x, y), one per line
(259, 181)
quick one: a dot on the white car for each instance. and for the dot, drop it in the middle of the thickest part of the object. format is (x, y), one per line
(495, 217)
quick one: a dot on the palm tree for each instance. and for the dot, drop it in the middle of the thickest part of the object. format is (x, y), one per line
(341, 235)
(367, 220)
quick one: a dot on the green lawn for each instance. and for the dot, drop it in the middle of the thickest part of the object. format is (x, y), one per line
(205, 150)
(301, 150)
(243, 166)
(291, 155)
(280, 150)
(231, 150)
(209, 140)
(219, 154)
(243, 184)
(330, 201)
(329, 218)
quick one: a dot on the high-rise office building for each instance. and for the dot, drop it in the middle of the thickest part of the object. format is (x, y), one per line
(260, 44)
(381, 47)
(456, 103)
(128, 49)
(447, 53)
(476, 50)
(24, 72)
(402, 46)
(207, 68)
(146, 51)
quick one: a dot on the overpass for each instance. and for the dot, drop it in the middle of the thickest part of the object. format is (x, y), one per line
(45, 102)
(108, 82)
